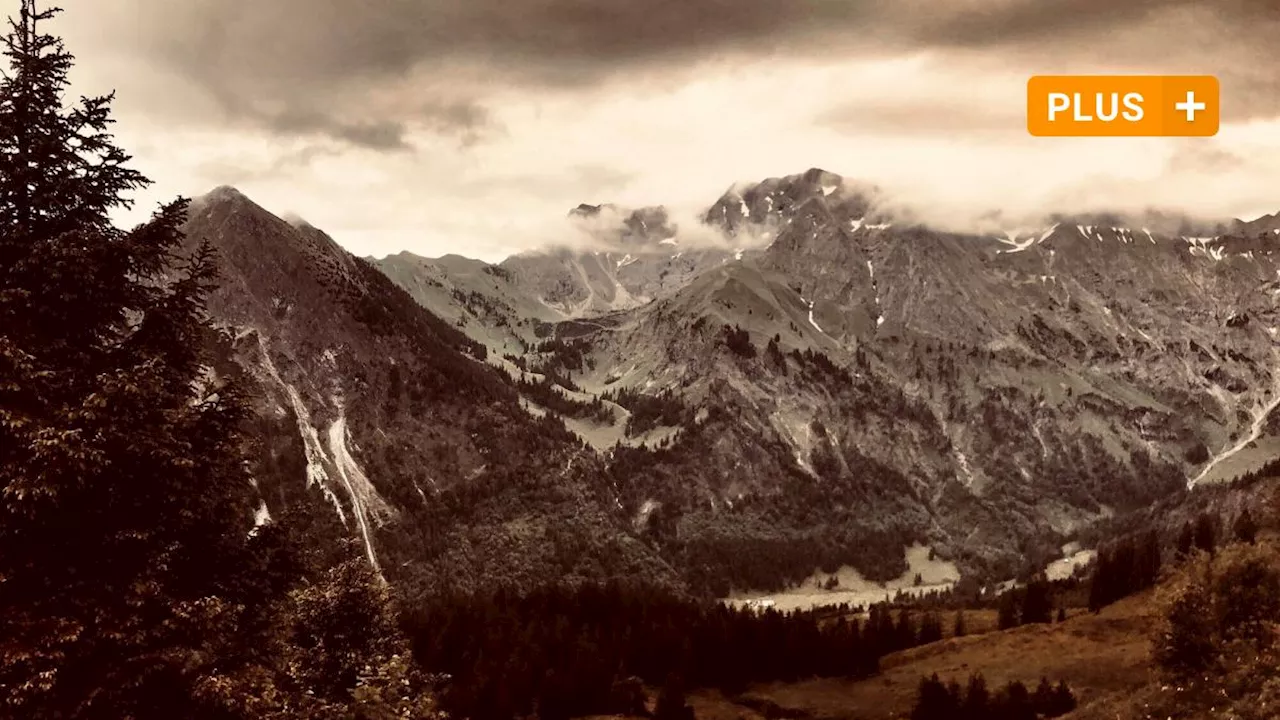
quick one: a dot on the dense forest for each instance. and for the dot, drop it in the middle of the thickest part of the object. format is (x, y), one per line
(561, 652)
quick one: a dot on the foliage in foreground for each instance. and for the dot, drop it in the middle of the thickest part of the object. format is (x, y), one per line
(1217, 647)
(133, 583)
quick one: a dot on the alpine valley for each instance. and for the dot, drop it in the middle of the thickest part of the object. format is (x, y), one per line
(826, 385)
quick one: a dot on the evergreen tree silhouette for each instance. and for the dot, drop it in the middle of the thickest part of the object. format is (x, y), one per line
(930, 628)
(1245, 529)
(133, 582)
(977, 699)
(671, 703)
(1015, 702)
(1206, 533)
(127, 507)
(1007, 612)
(1186, 540)
(1064, 701)
(1037, 602)
(934, 701)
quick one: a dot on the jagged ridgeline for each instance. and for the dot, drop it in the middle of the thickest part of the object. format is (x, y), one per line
(808, 380)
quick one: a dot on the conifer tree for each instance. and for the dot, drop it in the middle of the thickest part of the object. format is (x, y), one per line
(1016, 702)
(977, 699)
(1043, 698)
(671, 703)
(930, 629)
(1064, 701)
(934, 700)
(1206, 533)
(1007, 612)
(1186, 540)
(131, 584)
(1037, 602)
(1245, 528)
(1147, 561)
(905, 631)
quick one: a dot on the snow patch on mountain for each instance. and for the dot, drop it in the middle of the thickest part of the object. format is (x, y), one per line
(312, 449)
(966, 470)
(366, 504)
(1018, 241)
(875, 288)
(811, 320)
(642, 515)
(262, 515)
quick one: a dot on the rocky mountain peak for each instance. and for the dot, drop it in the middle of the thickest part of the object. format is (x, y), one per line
(1263, 225)
(586, 210)
(225, 192)
(775, 201)
(625, 228)
(223, 195)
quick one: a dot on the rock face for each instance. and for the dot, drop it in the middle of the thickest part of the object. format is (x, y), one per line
(633, 258)
(826, 385)
(381, 422)
(981, 394)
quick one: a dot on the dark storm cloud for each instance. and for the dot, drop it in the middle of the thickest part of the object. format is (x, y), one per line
(344, 39)
(983, 24)
(371, 135)
(379, 135)
(318, 65)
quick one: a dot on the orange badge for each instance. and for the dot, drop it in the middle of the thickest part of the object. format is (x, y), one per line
(1122, 105)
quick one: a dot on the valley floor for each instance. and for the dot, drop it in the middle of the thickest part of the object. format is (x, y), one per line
(1103, 657)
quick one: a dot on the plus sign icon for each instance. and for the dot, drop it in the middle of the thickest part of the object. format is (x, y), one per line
(1191, 106)
(1123, 105)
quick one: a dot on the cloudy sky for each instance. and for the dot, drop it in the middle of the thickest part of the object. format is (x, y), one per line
(472, 126)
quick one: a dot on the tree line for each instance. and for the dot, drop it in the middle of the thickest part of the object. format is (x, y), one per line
(565, 652)
(936, 700)
(664, 409)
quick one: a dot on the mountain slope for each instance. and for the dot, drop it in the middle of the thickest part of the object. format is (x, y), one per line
(863, 383)
(380, 421)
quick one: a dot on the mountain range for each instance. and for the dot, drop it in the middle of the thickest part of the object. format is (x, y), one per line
(804, 381)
